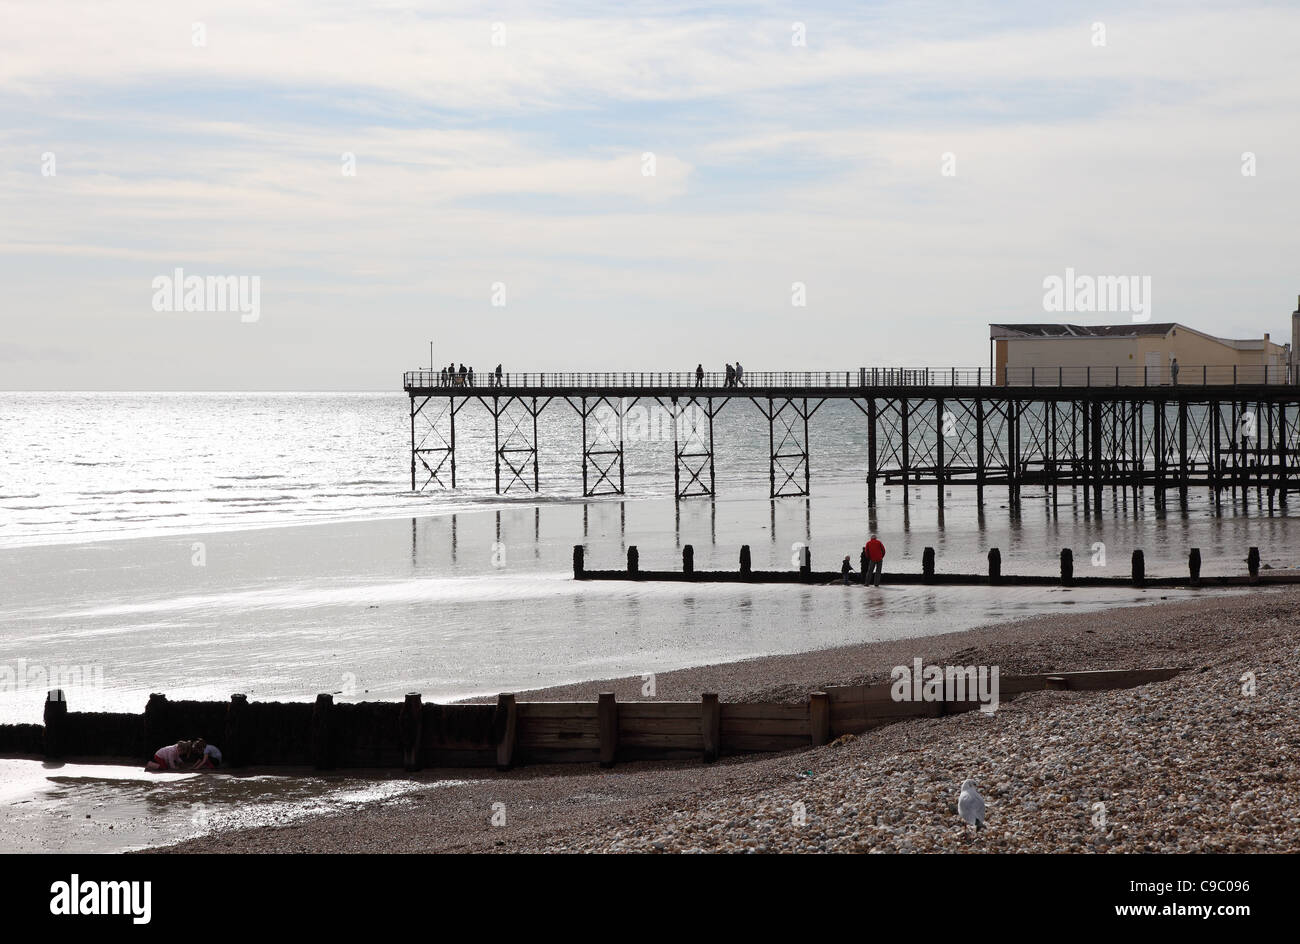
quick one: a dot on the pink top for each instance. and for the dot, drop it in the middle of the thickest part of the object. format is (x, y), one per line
(169, 755)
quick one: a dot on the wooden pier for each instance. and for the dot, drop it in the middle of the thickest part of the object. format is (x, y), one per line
(1222, 429)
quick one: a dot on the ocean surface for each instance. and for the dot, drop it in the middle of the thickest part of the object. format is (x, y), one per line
(206, 544)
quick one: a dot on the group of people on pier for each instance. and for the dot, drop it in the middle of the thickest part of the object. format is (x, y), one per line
(462, 376)
(197, 754)
(735, 376)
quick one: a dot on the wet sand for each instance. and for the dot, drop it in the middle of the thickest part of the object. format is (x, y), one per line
(1187, 764)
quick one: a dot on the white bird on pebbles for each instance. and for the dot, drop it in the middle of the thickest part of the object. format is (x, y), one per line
(970, 805)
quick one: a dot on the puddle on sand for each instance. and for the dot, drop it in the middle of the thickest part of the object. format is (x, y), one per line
(102, 808)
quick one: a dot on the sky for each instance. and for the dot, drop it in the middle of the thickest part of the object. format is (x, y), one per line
(577, 186)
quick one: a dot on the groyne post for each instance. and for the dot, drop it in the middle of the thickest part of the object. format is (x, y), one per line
(819, 717)
(1194, 566)
(508, 725)
(688, 559)
(235, 747)
(578, 563)
(56, 723)
(633, 561)
(995, 565)
(1067, 567)
(927, 564)
(410, 726)
(322, 734)
(607, 725)
(744, 559)
(1139, 568)
(156, 733)
(1252, 562)
(805, 562)
(711, 725)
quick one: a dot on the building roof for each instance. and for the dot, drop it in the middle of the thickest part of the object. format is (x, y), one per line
(1057, 330)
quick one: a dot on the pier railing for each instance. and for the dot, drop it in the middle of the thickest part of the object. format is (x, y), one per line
(1045, 376)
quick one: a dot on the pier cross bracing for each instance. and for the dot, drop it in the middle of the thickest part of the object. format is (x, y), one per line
(1224, 429)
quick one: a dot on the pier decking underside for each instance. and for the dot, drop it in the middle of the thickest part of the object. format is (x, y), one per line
(1230, 438)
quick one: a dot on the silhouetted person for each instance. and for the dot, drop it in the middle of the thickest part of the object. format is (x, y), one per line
(699, 375)
(740, 374)
(471, 376)
(1173, 371)
(731, 377)
(442, 378)
(498, 375)
(846, 570)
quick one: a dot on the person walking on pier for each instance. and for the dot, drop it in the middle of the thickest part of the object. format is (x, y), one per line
(731, 377)
(498, 372)
(740, 375)
(875, 552)
(1173, 371)
(442, 378)
(699, 375)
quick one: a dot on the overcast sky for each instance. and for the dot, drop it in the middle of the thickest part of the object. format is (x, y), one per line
(506, 143)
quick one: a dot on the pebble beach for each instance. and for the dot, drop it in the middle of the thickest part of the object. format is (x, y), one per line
(1203, 762)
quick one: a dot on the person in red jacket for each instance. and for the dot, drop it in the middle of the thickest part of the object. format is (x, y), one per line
(875, 552)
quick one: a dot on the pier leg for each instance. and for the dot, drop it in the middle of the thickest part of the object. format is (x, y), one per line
(871, 453)
(435, 450)
(602, 446)
(939, 430)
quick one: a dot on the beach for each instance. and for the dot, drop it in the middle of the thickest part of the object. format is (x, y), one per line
(1189, 764)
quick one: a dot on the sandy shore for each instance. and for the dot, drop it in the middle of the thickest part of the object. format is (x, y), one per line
(1187, 764)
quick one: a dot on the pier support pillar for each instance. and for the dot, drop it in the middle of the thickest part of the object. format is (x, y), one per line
(693, 446)
(603, 423)
(433, 442)
(518, 450)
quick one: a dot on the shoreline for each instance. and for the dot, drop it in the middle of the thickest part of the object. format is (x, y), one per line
(741, 803)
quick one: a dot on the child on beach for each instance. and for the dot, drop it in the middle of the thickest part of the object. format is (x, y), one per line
(172, 757)
(209, 758)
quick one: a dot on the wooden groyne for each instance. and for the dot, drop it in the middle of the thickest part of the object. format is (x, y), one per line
(414, 735)
(930, 574)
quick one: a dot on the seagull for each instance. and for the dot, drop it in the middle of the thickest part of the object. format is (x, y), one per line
(970, 805)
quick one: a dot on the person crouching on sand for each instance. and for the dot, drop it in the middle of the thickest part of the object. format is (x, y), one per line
(209, 758)
(171, 757)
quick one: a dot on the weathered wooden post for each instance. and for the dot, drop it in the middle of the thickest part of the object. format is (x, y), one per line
(995, 565)
(862, 566)
(1139, 568)
(156, 731)
(1252, 562)
(744, 559)
(579, 565)
(507, 723)
(688, 559)
(410, 728)
(819, 717)
(1194, 566)
(322, 754)
(633, 561)
(56, 723)
(235, 749)
(1067, 567)
(607, 723)
(927, 564)
(805, 562)
(711, 726)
